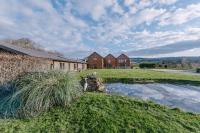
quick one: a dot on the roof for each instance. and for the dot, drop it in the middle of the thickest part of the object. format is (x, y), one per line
(110, 55)
(96, 54)
(35, 53)
(122, 56)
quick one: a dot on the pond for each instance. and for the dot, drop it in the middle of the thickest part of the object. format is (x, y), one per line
(185, 97)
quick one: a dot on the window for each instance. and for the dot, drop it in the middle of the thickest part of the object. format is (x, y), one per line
(121, 61)
(95, 59)
(52, 66)
(109, 61)
(69, 66)
(75, 66)
(62, 65)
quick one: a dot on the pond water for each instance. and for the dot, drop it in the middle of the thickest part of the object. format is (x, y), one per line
(185, 97)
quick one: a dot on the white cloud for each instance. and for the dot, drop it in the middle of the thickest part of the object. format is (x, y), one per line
(148, 39)
(71, 29)
(149, 14)
(181, 15)
(117, 8)
(144, 3)
(167, 2)
(96, 8)
(129, 2)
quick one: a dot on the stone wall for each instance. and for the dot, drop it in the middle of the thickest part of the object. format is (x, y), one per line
(12, 65)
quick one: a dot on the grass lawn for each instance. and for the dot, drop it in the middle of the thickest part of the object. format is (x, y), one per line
(142, 75)
(101, 113)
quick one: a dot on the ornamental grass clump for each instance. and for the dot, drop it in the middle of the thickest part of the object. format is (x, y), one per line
(35, 93)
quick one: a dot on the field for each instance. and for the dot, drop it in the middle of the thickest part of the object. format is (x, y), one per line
(143, 75)
(107, 113)
(50, 104)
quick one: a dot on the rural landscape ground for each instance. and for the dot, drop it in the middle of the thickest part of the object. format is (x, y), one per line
(93, 111)
(99, 66)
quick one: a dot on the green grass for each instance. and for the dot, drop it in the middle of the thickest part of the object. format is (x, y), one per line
(52, 99)
(143, 75)
(101, 113)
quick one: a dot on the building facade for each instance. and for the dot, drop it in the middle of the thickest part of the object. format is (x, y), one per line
(110, 61)
(96, 61)
(15, 60)
(123, 61)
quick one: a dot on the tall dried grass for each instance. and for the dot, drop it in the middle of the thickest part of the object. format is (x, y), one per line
(35, 93)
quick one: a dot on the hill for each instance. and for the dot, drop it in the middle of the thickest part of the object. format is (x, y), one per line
(176, 60)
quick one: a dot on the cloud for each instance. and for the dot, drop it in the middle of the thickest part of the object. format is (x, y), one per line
(95, 8)
(76, 28)
(157, 39)
(148, 15)
(170, 48)
(181, 15)
(167, 2)
(129, 2)
(191, 52)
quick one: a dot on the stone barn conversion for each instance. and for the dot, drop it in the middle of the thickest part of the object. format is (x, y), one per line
(15, 60)
(96, 61)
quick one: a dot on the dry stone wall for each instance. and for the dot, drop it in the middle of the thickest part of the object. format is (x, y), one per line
(12, 65)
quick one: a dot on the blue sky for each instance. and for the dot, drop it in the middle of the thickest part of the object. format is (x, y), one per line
(140, 28)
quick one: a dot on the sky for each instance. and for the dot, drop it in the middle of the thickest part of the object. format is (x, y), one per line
(76, 28)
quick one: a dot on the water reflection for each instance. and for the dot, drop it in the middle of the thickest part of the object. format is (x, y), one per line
(186, 97)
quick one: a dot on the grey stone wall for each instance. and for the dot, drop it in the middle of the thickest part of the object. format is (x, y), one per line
(12, 65)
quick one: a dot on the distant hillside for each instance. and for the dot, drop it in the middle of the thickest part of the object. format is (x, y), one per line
(176, 60)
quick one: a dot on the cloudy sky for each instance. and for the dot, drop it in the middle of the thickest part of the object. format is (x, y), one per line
(145, 28)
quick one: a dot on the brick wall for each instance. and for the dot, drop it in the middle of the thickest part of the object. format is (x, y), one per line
(123, 61)
(95, 61)
(110, 61)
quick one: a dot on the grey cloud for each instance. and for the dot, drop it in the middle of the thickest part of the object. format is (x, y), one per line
(170, 48)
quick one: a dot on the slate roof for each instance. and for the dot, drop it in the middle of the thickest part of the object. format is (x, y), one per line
(96, 54)
(122, 55)
(110, 55)
(35, 53)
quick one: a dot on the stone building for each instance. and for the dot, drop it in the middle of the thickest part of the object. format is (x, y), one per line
(96, 61)
(15, 60)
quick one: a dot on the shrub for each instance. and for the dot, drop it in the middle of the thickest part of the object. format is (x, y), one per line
(38, 92)
(147, 65)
